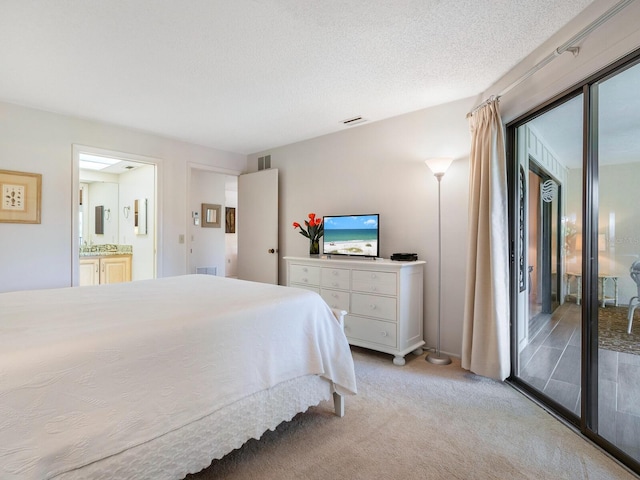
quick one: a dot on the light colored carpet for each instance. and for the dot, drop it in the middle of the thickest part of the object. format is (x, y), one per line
(420, 421)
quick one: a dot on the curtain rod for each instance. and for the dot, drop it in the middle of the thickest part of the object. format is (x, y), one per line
(565, 47)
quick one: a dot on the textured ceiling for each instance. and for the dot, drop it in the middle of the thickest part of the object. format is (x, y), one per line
(247, 75)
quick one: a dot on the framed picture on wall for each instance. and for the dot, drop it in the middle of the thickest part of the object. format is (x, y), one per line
(21, 197)
(230, 220)
(211, 217)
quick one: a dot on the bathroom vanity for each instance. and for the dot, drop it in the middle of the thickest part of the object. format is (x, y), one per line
(102, 264)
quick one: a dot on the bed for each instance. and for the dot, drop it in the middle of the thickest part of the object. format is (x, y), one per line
(156, 378)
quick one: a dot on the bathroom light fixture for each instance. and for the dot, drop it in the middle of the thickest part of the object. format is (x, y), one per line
(95, 162)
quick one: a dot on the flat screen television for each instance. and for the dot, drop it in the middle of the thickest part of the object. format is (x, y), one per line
(354, 235)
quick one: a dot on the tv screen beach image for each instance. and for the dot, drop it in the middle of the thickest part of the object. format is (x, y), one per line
(351, 235)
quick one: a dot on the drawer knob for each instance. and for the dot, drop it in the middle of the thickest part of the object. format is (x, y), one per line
(305, 280)
(372, 306)
(383, 333)
(304, 269)
(335, 284)
(334, 273)
(373, 275)
(373, 288)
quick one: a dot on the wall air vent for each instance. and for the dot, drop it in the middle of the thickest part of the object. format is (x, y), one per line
(264, 162)
(353, 121)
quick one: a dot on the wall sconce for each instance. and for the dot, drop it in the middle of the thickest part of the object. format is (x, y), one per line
(125, 211)
(107, 214)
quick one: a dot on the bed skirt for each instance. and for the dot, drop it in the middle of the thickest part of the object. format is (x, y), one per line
(191, 448)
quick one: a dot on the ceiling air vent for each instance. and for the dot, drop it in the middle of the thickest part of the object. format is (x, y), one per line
(353, 121)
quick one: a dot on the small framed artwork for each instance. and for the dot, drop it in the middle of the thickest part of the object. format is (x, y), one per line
(21, 196)
(211, 215)
(230, 220)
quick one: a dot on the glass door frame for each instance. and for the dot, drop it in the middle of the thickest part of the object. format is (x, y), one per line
(513, 166)
(587, 421)
(547, 226)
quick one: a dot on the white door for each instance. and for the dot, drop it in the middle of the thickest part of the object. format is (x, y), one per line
(257, 226)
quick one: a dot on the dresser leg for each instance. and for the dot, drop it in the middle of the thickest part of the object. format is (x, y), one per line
(398, 360)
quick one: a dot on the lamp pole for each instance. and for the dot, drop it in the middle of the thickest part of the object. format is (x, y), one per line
(437, 358)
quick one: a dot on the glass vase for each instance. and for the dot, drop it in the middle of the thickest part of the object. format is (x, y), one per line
(314, 247)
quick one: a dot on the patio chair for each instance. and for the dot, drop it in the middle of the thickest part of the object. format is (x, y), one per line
(635, 301)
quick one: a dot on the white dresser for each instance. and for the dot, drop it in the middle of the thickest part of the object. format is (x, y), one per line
(383, 299)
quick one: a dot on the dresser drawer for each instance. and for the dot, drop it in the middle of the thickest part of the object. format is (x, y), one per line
(375, 282)
(335, 298)
(369, 330)
(305, 274)
(335, 278)
(373, 306)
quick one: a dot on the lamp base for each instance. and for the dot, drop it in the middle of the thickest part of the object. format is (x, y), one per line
(438, 359)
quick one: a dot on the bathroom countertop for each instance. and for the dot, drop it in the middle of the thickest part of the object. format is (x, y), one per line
(106, 249)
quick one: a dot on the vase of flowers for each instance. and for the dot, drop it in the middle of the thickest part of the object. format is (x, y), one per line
(314, 230)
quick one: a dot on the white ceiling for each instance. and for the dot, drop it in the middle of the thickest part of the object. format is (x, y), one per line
(248, 75)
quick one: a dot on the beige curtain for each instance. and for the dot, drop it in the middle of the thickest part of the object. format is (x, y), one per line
(485, 338)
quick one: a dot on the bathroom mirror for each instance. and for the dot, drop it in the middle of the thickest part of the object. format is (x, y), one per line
(140, 216)
(211, 215)
(95, 194)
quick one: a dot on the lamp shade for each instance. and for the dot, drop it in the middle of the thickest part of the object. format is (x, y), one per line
(438, 165)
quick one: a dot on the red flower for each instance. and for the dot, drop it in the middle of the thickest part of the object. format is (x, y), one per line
(314, 228)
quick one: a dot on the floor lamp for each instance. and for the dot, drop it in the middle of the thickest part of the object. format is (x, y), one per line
(439, 166)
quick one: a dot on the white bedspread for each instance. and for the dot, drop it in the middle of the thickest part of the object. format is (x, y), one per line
(89, 372)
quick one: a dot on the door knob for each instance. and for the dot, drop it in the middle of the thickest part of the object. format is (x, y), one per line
(271, 250)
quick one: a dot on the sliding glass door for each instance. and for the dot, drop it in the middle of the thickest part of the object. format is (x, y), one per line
(549, 304)
(616, 128)
(575, 214)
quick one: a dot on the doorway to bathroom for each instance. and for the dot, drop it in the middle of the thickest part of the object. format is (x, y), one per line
(115, 215)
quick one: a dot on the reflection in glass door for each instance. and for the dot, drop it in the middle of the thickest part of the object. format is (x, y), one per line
(549, 308)
(618, 250)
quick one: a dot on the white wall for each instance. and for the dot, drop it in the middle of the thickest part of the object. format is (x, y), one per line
(39, 256)
(207, 244)
(138, 184)
(379, 168)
